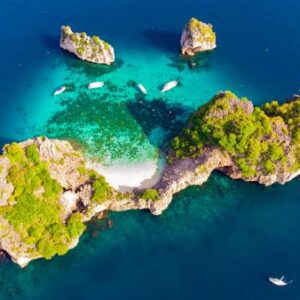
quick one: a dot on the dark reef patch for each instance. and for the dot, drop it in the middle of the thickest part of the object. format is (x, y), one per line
(104, 128)
(158, 114)
(199, 62)
(90, 70)
(51, 41)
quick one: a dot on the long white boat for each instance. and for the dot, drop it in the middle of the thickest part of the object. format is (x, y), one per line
(96, 85)
(142, 88)
(168, 86)
(60, 90)
(279, 281)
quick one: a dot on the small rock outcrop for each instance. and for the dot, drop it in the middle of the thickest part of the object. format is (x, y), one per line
(197, 37)
(91, 49)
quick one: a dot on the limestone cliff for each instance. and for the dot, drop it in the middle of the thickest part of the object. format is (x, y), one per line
(197, 37)
(91, 49)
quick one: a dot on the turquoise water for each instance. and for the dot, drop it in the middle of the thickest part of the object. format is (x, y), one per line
(218, 241)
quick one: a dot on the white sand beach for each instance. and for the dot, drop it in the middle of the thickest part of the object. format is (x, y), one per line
(126, 177)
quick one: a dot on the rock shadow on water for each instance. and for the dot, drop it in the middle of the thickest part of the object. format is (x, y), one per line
(90, 70)
(199, 62)
(159, 120)
(164, 40)
(74, 64)
(50, 41)
(4, 141)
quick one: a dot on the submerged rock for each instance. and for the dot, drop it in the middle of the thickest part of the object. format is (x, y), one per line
(91, 49)
(3, 255)
(109, 224)
(197, 37)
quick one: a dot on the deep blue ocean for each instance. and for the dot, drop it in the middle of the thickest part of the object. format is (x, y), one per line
(218, 241)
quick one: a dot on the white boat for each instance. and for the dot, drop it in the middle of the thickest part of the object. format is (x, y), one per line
(168, 86)
(60, 90)
(279, 281)
(96, 85)
(142, 88)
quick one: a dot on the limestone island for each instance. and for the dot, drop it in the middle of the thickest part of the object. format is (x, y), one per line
(197, 37)
(48, 191)
(91, 49)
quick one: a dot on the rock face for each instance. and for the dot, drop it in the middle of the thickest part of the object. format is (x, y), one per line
(197, 37)
(91, 49)
(183, 173)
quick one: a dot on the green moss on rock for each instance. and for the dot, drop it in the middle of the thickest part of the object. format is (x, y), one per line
(204, 31)
(197, 37)
(88, 48)
(150, 194)
(96, 40)
(101, 188)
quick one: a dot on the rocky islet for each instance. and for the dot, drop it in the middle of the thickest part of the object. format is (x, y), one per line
(197, 37)
(91, 49)
(48, 192)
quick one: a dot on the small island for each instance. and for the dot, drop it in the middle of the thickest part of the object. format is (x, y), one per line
(91, 49)
(48, 190)
(197, 37)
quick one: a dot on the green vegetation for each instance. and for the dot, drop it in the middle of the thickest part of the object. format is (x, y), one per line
(257, 138)
(83, 35)
(124, 196)
(67, 30)
(80, 50)
(96, 40)
(102, 190)
(105, 45)
(206, 33)
(150, 194)
(74, 37)
(82, 41)
(75, 225)
(290, 113)
(34, 210)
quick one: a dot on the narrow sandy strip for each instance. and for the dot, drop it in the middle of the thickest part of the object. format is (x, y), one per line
(126, 177)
